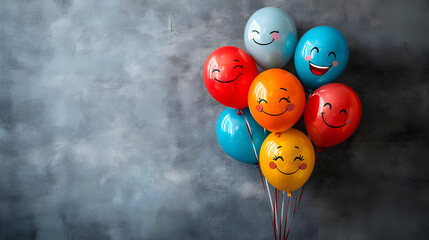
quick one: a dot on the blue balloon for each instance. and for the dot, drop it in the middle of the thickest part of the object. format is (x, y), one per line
(321, 56)
(234, 137)
(270, 37)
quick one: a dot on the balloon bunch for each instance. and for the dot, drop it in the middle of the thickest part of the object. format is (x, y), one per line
(276, 100)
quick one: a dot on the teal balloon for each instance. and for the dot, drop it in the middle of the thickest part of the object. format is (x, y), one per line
(321, 56)
(234, 137)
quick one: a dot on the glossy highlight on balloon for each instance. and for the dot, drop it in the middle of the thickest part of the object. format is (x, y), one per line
(234, 138)
(228, 73)
(332, 114)
(321, 56)
(287, 161)
(276, 100)
(270, 37)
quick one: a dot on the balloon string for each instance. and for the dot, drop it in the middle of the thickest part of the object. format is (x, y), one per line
(287, 213)
(269, 199)
(302, 190)
(283, 220)
(275, 213)
(281, 217)
(253, 145)
(291, 221)
(294, 209)
(250, 133)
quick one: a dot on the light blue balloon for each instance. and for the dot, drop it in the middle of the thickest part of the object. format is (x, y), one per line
(234, 138)
(270, 37)
(321, 56)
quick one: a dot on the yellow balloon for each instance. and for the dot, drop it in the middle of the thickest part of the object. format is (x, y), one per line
(287, 161)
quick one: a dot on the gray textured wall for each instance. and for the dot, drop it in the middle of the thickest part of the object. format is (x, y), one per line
(107, 130)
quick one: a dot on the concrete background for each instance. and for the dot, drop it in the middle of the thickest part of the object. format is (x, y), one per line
(107, 130)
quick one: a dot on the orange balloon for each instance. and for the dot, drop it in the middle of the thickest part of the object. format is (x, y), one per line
(276, 100)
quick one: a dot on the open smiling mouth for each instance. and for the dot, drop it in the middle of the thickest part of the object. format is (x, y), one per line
(229, 80)
(331, 125)
(263, 44)
(318, 70)
(288, 173)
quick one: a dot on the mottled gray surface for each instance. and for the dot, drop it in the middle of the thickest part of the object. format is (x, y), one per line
(107, 130)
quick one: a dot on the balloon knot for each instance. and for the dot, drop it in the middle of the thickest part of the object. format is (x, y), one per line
(310, 90)
(240, 112)
(277, 134)
(289, 194)
(256, 165)
(319, 149)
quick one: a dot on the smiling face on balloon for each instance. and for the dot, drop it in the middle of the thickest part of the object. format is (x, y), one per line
(329, 61)
(332, 114)
(270, 37)
(336, 117)
(321, 56)
(276, 100)
(228, 73)
(287, 161)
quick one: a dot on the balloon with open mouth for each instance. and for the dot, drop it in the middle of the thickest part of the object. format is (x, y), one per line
(270, 37)
(228, 73)
(287, 161)
(276, 100)
(321, 56)
(332, 114)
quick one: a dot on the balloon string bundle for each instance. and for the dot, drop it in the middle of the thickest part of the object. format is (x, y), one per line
(279, 230)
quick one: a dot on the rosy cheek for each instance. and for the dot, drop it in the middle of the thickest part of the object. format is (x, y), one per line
(335, 63)
(273, 165)
(290, 107)
(275, 36)
(303, 166)
(307, 57)
(252, 35)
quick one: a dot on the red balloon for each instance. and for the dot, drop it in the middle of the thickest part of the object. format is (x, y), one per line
(332, 114)
(228, 73)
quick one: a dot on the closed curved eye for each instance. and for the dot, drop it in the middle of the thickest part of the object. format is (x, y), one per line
(277, 157)
(330, 106)
(317, 49)
(335, 55)
(343, 110)
(255, 31)
(215, 70)
(261, 100)
(238, 66)
(287, 99)
(274, 32)
(300, 158)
